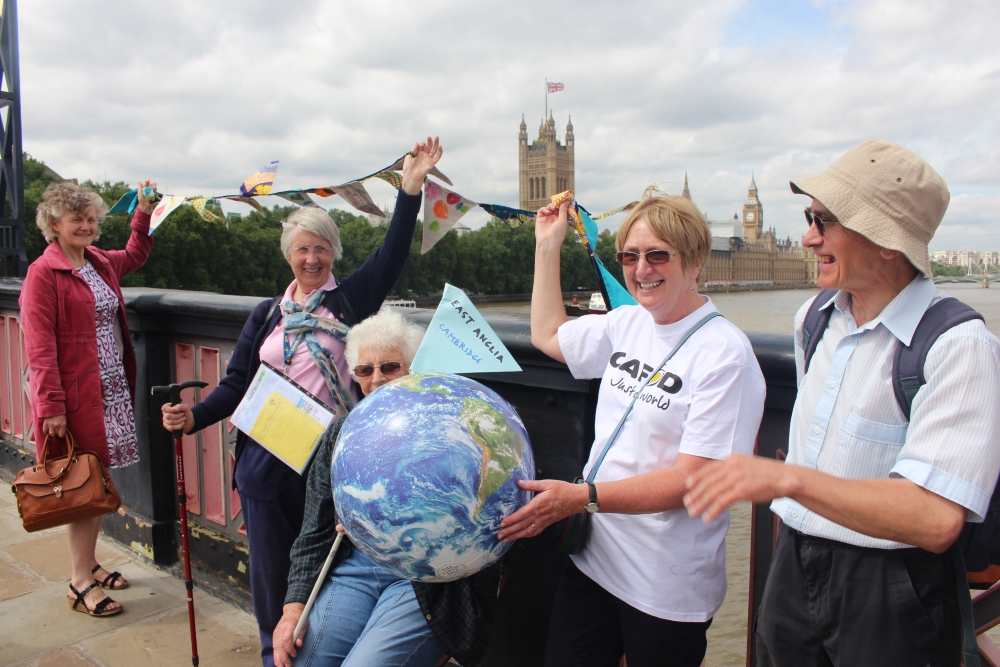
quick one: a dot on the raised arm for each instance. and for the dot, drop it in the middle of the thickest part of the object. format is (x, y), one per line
(368, 287)
(140, 243)
(547, 309)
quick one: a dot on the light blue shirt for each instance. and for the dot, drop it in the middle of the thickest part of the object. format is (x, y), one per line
(846, 421)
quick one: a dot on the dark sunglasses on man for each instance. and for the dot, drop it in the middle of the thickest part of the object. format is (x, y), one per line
(655, 257)
(387, 368)
(813, 219)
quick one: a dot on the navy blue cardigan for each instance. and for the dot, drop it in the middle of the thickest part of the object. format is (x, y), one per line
(356, 297)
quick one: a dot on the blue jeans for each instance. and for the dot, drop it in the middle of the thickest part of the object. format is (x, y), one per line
(365, 616)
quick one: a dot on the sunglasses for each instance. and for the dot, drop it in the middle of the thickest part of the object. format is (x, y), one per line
(656, 257)
(387, 368)
(813, 219)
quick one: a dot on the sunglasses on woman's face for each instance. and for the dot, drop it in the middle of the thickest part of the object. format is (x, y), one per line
(387, 368)
(656, 257)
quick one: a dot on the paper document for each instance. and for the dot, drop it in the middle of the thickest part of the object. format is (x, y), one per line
(283, 417)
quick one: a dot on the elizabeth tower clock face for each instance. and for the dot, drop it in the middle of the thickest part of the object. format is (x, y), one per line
(750, 215)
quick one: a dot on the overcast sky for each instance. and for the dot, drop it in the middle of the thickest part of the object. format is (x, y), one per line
(198, 95)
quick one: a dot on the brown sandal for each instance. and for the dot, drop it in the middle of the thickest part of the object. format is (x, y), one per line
(111, 581)
(100, 609)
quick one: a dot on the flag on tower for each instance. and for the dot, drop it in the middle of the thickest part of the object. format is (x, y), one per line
(554, 87)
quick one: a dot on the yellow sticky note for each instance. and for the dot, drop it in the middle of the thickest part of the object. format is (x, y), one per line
(286, 431)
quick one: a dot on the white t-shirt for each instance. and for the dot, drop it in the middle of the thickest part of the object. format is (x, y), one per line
(708, 403)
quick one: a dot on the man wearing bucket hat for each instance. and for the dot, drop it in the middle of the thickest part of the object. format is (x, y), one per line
(874, 490)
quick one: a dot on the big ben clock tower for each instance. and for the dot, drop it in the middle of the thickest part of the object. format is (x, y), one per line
(753, 215)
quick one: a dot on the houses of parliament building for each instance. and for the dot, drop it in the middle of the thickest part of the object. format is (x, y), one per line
(744, 254)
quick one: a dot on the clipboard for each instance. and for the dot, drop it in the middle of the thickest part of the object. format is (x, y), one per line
(283, 417)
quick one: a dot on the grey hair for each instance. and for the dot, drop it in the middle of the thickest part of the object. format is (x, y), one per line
(386, 330)
(59, 198)
(316, 221)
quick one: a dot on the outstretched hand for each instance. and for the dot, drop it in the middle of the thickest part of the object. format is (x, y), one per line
(419, 162)
(144, 204)
(554, 500)
(551, 223)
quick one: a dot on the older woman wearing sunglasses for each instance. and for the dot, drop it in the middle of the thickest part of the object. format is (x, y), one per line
(363, 614)
(650, 578)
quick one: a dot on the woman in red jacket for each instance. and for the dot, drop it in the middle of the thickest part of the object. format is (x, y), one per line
(80, 357)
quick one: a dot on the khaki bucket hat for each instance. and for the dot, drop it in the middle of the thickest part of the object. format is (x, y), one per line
(886, 193)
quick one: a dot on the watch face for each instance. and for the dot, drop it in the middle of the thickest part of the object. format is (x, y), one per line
(750, 215)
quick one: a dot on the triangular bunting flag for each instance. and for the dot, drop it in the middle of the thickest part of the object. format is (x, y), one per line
(260, 183)
(245, 200)
(199, 204)
(619, 295)
(442, 209)
(354, 194)
(166, 206)
(390, 177)
(296, 197)
(435, 172)
(458, 340)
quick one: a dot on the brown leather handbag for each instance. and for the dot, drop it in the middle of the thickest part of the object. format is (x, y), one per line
(74, 487)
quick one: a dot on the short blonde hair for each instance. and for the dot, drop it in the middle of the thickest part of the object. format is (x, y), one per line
(674, 220)
(314, 220)
(384, 331)
(59, 198)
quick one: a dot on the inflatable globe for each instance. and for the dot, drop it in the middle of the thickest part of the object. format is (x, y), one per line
(425, 469)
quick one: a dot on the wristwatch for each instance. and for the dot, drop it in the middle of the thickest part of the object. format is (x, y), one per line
(592, 506)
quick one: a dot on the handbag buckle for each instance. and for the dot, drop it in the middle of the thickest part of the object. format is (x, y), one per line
(58, 491)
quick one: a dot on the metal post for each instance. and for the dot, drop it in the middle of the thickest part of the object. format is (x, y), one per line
(13, 260)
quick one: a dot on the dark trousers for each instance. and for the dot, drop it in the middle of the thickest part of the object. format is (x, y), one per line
(828, 604)
(272, 526)
(592, 628)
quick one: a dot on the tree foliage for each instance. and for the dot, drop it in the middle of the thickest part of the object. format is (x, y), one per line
(243, 254)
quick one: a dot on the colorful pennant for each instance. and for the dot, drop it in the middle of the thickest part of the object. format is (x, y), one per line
(513, 217)
(627, 207)
(166, 206)
(297, 197)
(442, 209)
(199, 204)
(260, 183)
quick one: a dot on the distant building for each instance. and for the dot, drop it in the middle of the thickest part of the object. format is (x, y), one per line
(965, 257)
(461, 229)
(744, 253)
(546, 166)
(377, 221)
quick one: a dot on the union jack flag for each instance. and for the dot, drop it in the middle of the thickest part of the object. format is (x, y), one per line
(554, 87)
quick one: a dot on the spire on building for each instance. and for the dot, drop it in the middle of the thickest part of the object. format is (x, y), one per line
(686, 193)
(753, 183)
(569, 125)
(524, 126)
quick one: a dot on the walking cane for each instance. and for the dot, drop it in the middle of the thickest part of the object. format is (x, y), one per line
(318, 585)
(174, 392)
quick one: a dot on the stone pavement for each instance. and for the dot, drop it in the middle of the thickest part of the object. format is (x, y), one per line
(38, 629)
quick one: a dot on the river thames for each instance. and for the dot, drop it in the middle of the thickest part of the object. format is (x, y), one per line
(771, 312)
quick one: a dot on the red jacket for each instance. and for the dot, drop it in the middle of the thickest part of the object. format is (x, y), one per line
(60, 336)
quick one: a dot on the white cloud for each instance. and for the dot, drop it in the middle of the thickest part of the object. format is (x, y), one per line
(201, 94)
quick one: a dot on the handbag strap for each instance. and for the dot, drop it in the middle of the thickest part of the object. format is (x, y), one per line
(71, 449)
(621, 422)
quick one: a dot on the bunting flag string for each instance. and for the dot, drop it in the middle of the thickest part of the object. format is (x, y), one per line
(627, 207)
(442, 207)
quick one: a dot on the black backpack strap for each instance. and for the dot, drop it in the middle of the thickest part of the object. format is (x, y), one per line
(815, 323)
(908, 364)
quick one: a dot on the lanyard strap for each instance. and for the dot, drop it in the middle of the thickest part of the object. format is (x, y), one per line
(621, 422)
(290, 348)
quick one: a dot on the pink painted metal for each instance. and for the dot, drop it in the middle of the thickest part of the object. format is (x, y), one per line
(184, 371)
(14, 364)
(211, 443)
(988, 651)
(5, 403)
(22, 380)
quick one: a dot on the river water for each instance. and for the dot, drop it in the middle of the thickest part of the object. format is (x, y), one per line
(770, 312)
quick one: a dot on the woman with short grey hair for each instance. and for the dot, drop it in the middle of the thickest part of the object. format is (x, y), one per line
(315, 221)
(387, 342)
(301, 333)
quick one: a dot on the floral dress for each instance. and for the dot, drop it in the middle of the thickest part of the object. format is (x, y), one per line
(119, 420)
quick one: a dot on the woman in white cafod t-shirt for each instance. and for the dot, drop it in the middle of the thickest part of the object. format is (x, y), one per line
(650, 578)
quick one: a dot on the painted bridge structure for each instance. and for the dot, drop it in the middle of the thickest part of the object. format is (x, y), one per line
(181, 335)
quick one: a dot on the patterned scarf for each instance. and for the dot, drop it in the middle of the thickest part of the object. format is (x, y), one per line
(300, 321)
